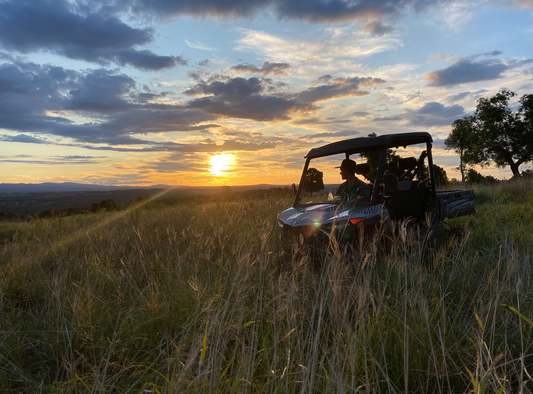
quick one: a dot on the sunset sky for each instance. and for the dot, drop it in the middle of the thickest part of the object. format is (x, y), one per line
(236, 92)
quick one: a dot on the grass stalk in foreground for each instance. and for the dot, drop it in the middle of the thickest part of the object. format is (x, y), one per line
(204, 298)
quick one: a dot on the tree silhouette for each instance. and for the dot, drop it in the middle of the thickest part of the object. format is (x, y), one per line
(441, 178)
(373, 158)
(495, 133)
(313, 181)
(459, 140)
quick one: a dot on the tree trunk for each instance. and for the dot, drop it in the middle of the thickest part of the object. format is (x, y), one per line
(514, 169)
(462, 167)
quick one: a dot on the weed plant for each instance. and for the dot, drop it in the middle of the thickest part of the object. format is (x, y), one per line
(205, 298)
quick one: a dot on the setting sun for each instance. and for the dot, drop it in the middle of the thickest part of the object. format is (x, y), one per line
(221, 163)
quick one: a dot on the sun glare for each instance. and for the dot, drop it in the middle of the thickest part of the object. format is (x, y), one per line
(221, 163)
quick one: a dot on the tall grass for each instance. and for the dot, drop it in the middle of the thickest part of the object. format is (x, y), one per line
(205, 298)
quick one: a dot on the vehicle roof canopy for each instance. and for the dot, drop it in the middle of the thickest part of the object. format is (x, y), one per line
(365, 144)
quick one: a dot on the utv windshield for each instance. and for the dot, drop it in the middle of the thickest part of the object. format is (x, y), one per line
(324, 180)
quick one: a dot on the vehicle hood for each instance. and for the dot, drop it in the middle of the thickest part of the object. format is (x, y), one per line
(317, 214)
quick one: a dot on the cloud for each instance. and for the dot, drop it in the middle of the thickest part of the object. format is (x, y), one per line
(343, 133)
(57, 160)
(318, 121)
(243, 98)
(388, 118)
(377, 28)
(100, 91)
(200, 46)
(146, 60)
(22, 138)
(261, 100)
(434, 114)
(275, 69)
(54, 25)
(475, 68)
(77, 157)
(329, 43)
(457, 97)
(311, 11)
(37, 99)
(339, 88)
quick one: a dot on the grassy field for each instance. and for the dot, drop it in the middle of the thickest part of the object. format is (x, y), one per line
(204, 298)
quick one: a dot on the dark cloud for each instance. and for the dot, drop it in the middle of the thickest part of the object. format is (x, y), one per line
(262, 100)
(58, 160)
(337, 134)
(360, 114)
(338, 88)
(275, 69)
(243, 98)
(434, 114)
(318, 121)
(480, 67)
(378, 29)
(58, 26)
(205, 147)
(431, 114)
(312, 11)
(146, 60)
(30, 95)
(195, 8)
(22, 138)
(319, 11)
(77, 157)
(101, 91)
(457, 97)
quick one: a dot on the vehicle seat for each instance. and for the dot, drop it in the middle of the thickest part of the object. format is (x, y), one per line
(406, 201)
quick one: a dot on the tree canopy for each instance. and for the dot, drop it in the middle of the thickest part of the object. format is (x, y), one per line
(313, 181)
(373, 158)
(495, 133)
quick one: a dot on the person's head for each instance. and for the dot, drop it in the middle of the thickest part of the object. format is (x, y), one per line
(347, 168)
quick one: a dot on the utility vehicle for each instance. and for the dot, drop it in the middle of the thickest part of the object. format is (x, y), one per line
(403, 188)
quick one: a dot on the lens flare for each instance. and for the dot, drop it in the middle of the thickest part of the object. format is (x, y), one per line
(220, 164)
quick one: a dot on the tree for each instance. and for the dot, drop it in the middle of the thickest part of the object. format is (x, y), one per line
(473, 176)
(373, 158)
(495, 133)
(459, 140)
(313, 181)
(440, 175)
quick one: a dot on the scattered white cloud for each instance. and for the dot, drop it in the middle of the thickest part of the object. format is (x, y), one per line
(338, 42)
(199, 45)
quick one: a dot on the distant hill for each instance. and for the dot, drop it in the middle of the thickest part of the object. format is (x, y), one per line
(40, 197)
(67, 186)
(85, 187)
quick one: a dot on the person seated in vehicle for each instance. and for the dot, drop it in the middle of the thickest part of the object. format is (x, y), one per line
(348, 190)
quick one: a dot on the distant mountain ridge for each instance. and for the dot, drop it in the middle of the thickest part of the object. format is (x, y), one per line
(81, 187)
(67, 186)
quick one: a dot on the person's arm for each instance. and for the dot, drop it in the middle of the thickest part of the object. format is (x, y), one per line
(364, 192)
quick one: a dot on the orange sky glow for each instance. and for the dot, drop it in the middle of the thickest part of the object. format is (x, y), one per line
(167, 93)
